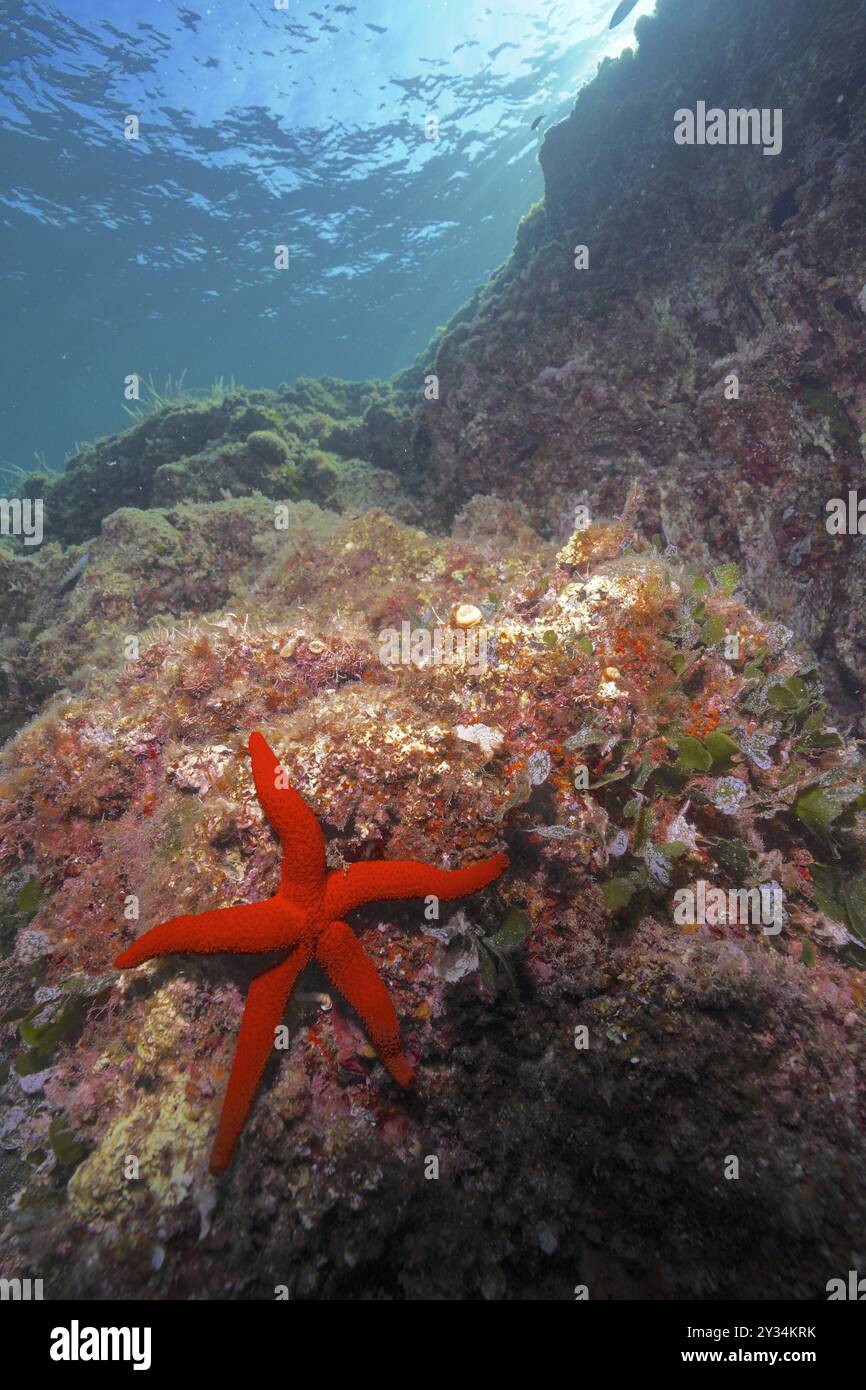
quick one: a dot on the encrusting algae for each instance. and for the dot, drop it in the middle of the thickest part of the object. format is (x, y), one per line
(583, 585)
(617, 710)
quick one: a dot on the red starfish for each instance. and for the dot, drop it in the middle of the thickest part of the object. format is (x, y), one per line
(303, 918)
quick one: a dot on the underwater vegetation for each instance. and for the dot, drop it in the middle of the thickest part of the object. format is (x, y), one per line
(328, 440)
(555, 381)
(608, 741)
(577, 604)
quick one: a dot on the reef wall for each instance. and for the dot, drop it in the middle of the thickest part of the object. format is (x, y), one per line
(560, 383)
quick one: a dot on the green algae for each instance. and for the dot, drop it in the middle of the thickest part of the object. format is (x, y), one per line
(29, 898)
(66, 1148)
(734, 857)
(10, 920)
(617, 893)
(728, 578)
(17, 907)
(841, 897)
(179, 824)
(269, 447)
(693, 755)
(819, 813)
(494, 965)
(514, 930)
(235, 442)
(42, 1027)
(713, 631)
(721, 748)
(823, 400)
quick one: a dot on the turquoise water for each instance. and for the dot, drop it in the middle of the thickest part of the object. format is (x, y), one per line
(305, 127)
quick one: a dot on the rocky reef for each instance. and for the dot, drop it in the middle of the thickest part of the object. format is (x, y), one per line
(704, 262)
(550, 591)
(155, 501)
(564, 1024)
(332, 441)
(566, 377)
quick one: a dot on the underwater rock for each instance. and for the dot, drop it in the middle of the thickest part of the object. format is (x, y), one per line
(146, 568)
(712, 347)
(602, 1034)
(706, 265)
(232, 443)
(595, 1031)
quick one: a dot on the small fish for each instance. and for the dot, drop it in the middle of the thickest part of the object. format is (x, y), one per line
(70, 580)
(621, 12)
(537, 122)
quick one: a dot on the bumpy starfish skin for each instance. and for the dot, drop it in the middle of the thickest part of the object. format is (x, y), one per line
(305, 919)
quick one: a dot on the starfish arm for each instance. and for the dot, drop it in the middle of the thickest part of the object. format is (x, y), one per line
(267, 998)
(350, 969)
(299, 832)
(266, 926)
(379, 879)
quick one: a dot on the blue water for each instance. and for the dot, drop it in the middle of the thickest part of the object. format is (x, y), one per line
(259, 127)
